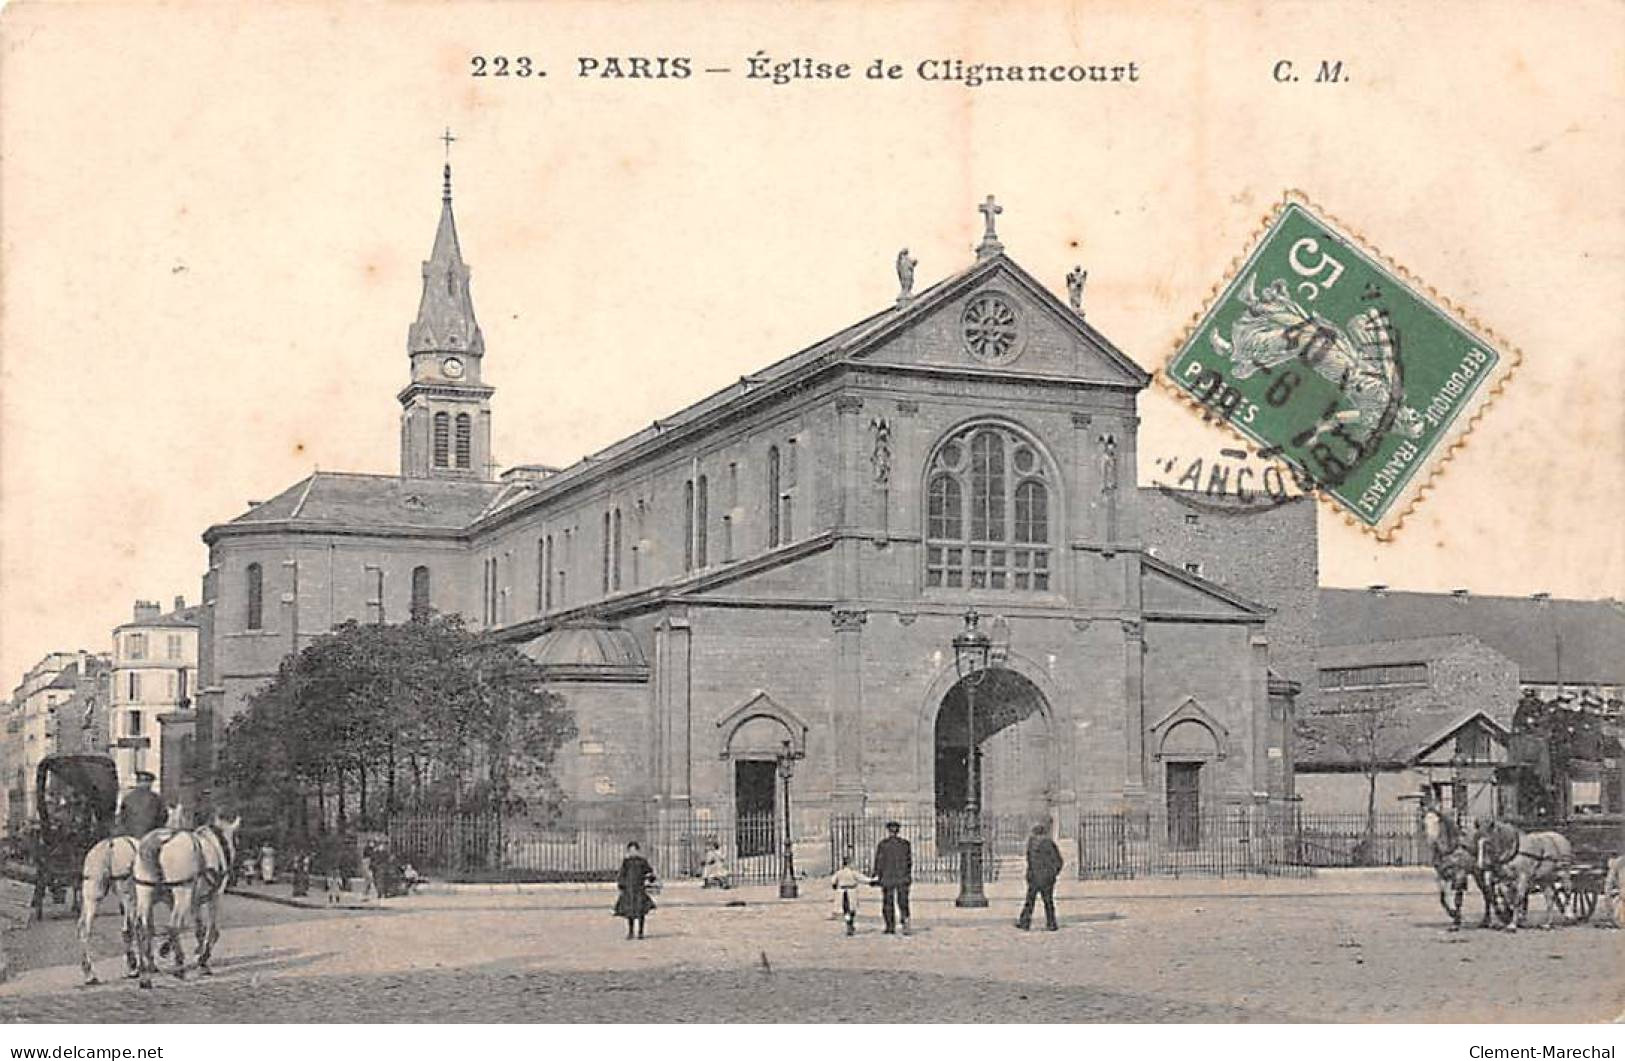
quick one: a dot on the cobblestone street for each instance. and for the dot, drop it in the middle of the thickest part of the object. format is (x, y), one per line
(1337, 949)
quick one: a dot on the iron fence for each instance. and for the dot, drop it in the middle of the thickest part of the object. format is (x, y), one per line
(1242, 841)
(935, 841)
(494, 848)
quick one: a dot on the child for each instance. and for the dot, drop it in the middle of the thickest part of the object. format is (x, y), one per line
(846, 882)
(334, 883)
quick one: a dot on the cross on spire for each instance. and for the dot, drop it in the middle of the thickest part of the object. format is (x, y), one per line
(990, 245)
(449, 140)
(445, 186)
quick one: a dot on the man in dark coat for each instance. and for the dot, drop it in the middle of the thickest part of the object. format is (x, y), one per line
(1044, 864)
(894, 871)
(141, 810)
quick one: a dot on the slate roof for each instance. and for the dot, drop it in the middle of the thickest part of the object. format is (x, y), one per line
(183, 617)
(1526, 631)
(1380, 653)
(1410, 736)
(370, 502)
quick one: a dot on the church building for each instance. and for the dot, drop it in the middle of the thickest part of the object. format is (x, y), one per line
(784, 566)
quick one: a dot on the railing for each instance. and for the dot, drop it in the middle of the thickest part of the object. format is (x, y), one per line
(934, 841)
(492, 848)
(1242, 841)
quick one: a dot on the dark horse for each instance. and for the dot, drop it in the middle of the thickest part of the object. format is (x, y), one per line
(1455, 859)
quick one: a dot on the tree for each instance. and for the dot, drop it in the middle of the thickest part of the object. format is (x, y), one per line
(1366, 735)
(374, 717)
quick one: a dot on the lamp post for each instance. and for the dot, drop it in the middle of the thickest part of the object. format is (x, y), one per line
(787, 878)
(972, 650)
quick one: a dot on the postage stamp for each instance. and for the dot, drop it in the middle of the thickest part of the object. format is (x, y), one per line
(1327, 356)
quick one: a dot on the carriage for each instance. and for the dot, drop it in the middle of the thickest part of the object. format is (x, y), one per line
(1595, 840)
(75, 797)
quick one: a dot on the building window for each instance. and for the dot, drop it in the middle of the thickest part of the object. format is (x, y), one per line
(773, 485)
(688, 525)
(1387, 676)
(174, 646)
(733, 485)
(442, 439)
(465, 440)
(375, 587)
(787, 521)
(701, 519)
(132, 723)
(615, 555)
(1192, 519)
(988, 513)
(547, 575)
(256, 587)
(727, 537)
(420, 594)
(136, 646)
(183, 687)
(133, 688)
(790, 463)
(604, 574)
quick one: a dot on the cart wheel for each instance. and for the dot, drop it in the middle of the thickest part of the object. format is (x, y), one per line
(1585, 900)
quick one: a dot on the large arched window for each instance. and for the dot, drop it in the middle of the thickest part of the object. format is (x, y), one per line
(420, 593)
(442, 439)
(988, 512)
(465, 440)
(773, 529)
(256, 597)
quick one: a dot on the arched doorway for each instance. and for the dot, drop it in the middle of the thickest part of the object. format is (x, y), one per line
(1013, 733)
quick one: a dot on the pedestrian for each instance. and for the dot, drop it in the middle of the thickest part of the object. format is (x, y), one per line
(634, 901)
(369, 882)
(141, 811)
(714, 868)
(1044, 864)
(894, 870)
(267, 864)
(1613, 897)
(335, 883)
(846, 881)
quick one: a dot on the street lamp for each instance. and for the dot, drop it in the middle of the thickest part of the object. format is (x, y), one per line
(972, 649)
(787, 878)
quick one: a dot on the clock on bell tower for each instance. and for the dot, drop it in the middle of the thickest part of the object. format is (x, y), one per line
(445, 409)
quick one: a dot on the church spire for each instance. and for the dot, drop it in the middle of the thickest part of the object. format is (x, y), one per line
(445, 322)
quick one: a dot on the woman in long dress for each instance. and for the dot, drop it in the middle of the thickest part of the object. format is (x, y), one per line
(633, 881)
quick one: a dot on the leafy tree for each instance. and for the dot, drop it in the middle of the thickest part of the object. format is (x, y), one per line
(373, 717)
(1366, 735)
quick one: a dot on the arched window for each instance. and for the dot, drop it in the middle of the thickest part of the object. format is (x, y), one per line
(987, 512)
(465, 440)
(702, 507)
(442, 439)
(607, 544)
(615, 557)
(256, 597)
(420, 593)
(688, 525)
(773, 497)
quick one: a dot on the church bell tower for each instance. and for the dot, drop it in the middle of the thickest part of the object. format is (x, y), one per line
(446, 410)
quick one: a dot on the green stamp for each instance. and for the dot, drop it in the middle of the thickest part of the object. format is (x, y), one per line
(1335, 362)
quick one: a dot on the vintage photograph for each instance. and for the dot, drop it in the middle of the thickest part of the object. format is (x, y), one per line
(1025, 514)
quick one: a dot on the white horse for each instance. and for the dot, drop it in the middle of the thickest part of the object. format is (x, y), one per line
(109, 867)
(1521, 860)
(193, 867)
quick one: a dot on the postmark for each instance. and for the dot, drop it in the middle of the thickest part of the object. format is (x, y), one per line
(1230, 482)
(1326, 356)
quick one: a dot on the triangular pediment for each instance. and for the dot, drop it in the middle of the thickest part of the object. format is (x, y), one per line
(760, 705)
(1166, 592)
(997, 317)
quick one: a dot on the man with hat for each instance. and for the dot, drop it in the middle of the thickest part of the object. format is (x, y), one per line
(141, 811)
(894, 872)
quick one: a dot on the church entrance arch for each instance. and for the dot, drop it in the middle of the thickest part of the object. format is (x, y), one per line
(1014, 738)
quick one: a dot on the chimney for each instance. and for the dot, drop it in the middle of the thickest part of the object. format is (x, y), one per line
(1379, 589)
(146, 610)
(180, 602)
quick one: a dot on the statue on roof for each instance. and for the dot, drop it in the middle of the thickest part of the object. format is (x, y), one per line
(1074, 287)
(905, 275)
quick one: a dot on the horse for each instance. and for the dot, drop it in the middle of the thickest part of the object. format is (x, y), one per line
(1522, 859)
(109, 867)
(1454, 854)
(193, 868)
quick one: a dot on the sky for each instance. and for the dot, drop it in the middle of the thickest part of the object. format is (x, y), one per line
(212, 220)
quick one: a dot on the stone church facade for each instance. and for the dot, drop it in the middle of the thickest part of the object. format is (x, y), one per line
(788, 560)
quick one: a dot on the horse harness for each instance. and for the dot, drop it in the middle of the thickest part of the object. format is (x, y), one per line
(1517, 849)
(210, 876)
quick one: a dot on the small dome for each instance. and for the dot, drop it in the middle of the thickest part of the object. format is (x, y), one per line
(589, 651)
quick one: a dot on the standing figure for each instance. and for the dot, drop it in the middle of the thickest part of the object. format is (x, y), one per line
(267, 864)
(846, 881)
(905, 274)
(1074, 287)
(1613, 899)
(894, 868)
(1044, 864)
(633, 881)
(141, 811)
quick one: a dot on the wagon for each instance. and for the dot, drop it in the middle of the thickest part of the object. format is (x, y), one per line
(1595, 840)
(75, 797)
